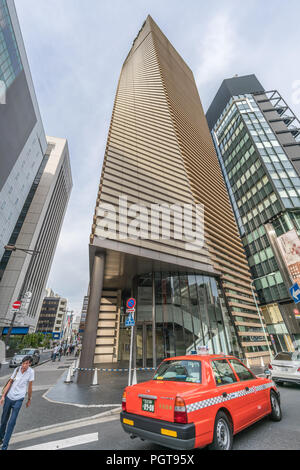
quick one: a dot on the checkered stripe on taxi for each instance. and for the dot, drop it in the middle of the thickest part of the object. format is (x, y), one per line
(221, 399)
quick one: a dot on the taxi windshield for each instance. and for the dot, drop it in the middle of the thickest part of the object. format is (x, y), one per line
(179, 371)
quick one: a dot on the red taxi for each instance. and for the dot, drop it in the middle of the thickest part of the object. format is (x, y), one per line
(200, 400)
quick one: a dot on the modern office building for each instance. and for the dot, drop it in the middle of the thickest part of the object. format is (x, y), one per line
(160, 152)
(53, 315)
(22, 137)
(37, 229)
(257, 138)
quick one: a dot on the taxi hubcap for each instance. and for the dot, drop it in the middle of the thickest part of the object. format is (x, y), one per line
(223, 434)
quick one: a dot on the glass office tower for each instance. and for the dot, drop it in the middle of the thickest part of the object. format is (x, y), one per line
(256, 136)
(22, 137)
(35, 181)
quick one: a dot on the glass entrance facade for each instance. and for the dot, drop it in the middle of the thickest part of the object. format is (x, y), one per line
(176, 313)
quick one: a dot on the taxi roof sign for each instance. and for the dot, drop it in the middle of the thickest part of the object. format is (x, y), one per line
(202, 350)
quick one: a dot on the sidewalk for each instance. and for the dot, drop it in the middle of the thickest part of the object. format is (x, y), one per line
(107, 394)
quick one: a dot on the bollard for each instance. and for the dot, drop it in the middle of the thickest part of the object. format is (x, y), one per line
(134, 379)
(68, 379)
(77, 364)
(72, 369)
(95, 378)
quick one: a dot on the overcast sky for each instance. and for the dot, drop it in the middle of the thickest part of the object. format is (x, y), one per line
(76, 50)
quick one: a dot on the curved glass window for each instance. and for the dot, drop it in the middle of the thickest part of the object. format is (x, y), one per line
(189, 312)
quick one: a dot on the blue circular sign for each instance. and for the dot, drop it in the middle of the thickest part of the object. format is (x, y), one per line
(131, 303)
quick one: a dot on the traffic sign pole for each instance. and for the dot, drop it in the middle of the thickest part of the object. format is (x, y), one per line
(131, 303)
(130, 357)
(16, 307)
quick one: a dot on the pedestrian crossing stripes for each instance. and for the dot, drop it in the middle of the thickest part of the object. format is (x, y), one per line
(65, 443)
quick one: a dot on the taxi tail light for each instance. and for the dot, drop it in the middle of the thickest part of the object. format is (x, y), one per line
(180, 413)
(124, 401)
(298, 370)
(270, 367)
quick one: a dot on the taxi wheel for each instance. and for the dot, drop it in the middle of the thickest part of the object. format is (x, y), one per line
(223, 438)
(276, 414)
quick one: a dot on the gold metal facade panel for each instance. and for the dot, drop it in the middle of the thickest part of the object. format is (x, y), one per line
(143, 160)
(203, 170)
(159, 149)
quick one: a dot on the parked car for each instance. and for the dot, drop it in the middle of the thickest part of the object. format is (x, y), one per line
(199, 400)
(285, 367)
(18, 357)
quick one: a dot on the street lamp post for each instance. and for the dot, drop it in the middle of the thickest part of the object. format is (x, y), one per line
(259, 314)
(28, 252)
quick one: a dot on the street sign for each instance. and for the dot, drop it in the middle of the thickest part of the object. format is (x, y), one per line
(131, 303)
(16, 305)
(129, 321)
(295, 293)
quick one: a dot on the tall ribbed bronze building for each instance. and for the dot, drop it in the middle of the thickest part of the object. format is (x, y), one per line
(159, 151)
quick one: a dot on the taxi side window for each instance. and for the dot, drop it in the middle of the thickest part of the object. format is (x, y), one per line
(242, 372)
(223, 373)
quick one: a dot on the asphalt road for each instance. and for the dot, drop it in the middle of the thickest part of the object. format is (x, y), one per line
(5, 369)
(106, 433)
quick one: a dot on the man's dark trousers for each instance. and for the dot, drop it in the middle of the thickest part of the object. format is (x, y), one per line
(10, 413)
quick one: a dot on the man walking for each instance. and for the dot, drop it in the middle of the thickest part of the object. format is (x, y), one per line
(13, 396)
(55, 353)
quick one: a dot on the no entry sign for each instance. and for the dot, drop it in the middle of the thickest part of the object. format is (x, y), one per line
(16, 305)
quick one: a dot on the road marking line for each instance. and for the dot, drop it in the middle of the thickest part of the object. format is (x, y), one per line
(62, 444)
(58, 428)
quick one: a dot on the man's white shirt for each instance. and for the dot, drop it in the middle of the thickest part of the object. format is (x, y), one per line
(19, 387)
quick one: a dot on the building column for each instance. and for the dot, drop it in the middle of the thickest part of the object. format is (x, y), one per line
(153, 322)
(91, 323)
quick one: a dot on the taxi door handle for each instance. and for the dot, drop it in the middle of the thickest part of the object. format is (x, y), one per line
(224, 395)
(247, 389)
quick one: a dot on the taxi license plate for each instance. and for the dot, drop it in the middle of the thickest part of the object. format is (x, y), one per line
(148, 405)
(285, 369)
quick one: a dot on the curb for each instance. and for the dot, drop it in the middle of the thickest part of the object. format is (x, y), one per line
(23, 434)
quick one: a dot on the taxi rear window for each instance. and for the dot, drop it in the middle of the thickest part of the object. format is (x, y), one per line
(179, 371)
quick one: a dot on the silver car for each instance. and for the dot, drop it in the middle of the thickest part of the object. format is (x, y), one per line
(285, 367)
(18, 357)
